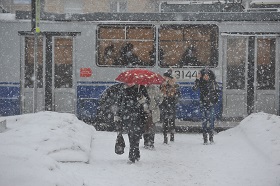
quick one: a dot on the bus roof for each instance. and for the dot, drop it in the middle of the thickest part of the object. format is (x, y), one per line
(265, 2)
(149, 17)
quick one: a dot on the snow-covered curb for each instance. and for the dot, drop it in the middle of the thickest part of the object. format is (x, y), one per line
(60, 136)
(2, 125)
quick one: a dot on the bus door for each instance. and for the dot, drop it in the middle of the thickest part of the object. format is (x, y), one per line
(63, 92)
(250, 77)
(27, 73)
(265, 83)
(55, 75)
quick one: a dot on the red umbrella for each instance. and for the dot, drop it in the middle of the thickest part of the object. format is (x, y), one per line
(140, 77)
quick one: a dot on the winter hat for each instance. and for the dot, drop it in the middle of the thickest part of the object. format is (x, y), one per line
(209, 72)
(168, 74)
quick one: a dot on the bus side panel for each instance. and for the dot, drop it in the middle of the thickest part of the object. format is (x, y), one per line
(87, 101)
(9, 100)
(10, 67)
(188, 107)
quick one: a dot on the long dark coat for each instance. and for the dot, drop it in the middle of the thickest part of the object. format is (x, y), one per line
(130, 110)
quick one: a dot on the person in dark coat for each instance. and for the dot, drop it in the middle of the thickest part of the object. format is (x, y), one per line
(206, 83)
(131, 107)
(107, 107)
(110, 56)
(128, 57)
(171, 94)
(189, 59)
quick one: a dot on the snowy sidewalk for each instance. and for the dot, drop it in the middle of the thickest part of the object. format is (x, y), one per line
(237, 158)
(246, 155)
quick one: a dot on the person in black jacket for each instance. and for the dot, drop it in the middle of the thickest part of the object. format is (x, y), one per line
(206, 83)
(131, 104)
(128, 57)
(189, 58)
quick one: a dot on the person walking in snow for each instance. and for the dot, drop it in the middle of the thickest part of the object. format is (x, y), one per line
(132, 102)
(206, 83)
(171, 94)
(152, 116)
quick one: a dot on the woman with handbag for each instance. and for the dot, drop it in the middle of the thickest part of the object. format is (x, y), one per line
(131, 104)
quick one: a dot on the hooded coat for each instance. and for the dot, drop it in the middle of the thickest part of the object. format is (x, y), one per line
(208, 89)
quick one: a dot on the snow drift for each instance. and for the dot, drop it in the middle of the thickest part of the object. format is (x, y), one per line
(34, 145)
(60, 136)
(262, 132)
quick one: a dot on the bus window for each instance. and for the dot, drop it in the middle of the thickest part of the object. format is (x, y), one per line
(29, 63)
(63, 61)
(126, 45)
(190, 45)
(236, 57)
(266, 64)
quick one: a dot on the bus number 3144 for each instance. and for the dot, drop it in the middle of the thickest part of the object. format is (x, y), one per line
(185, 74)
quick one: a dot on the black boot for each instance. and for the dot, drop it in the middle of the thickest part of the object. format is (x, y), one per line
(172, 137)
(165, 140)
(211, 135)
(205, 140)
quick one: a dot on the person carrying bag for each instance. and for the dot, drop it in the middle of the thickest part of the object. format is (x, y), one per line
(129, 113)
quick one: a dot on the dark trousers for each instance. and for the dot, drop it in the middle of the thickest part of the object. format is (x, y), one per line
(168, 116)
(149, 139)
(168, 126)
(134, 140)
(208, 116)
(149, 130)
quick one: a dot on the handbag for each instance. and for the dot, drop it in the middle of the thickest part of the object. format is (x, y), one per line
(120, 144)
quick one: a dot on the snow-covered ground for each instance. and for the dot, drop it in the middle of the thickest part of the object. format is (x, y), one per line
(50, 148)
